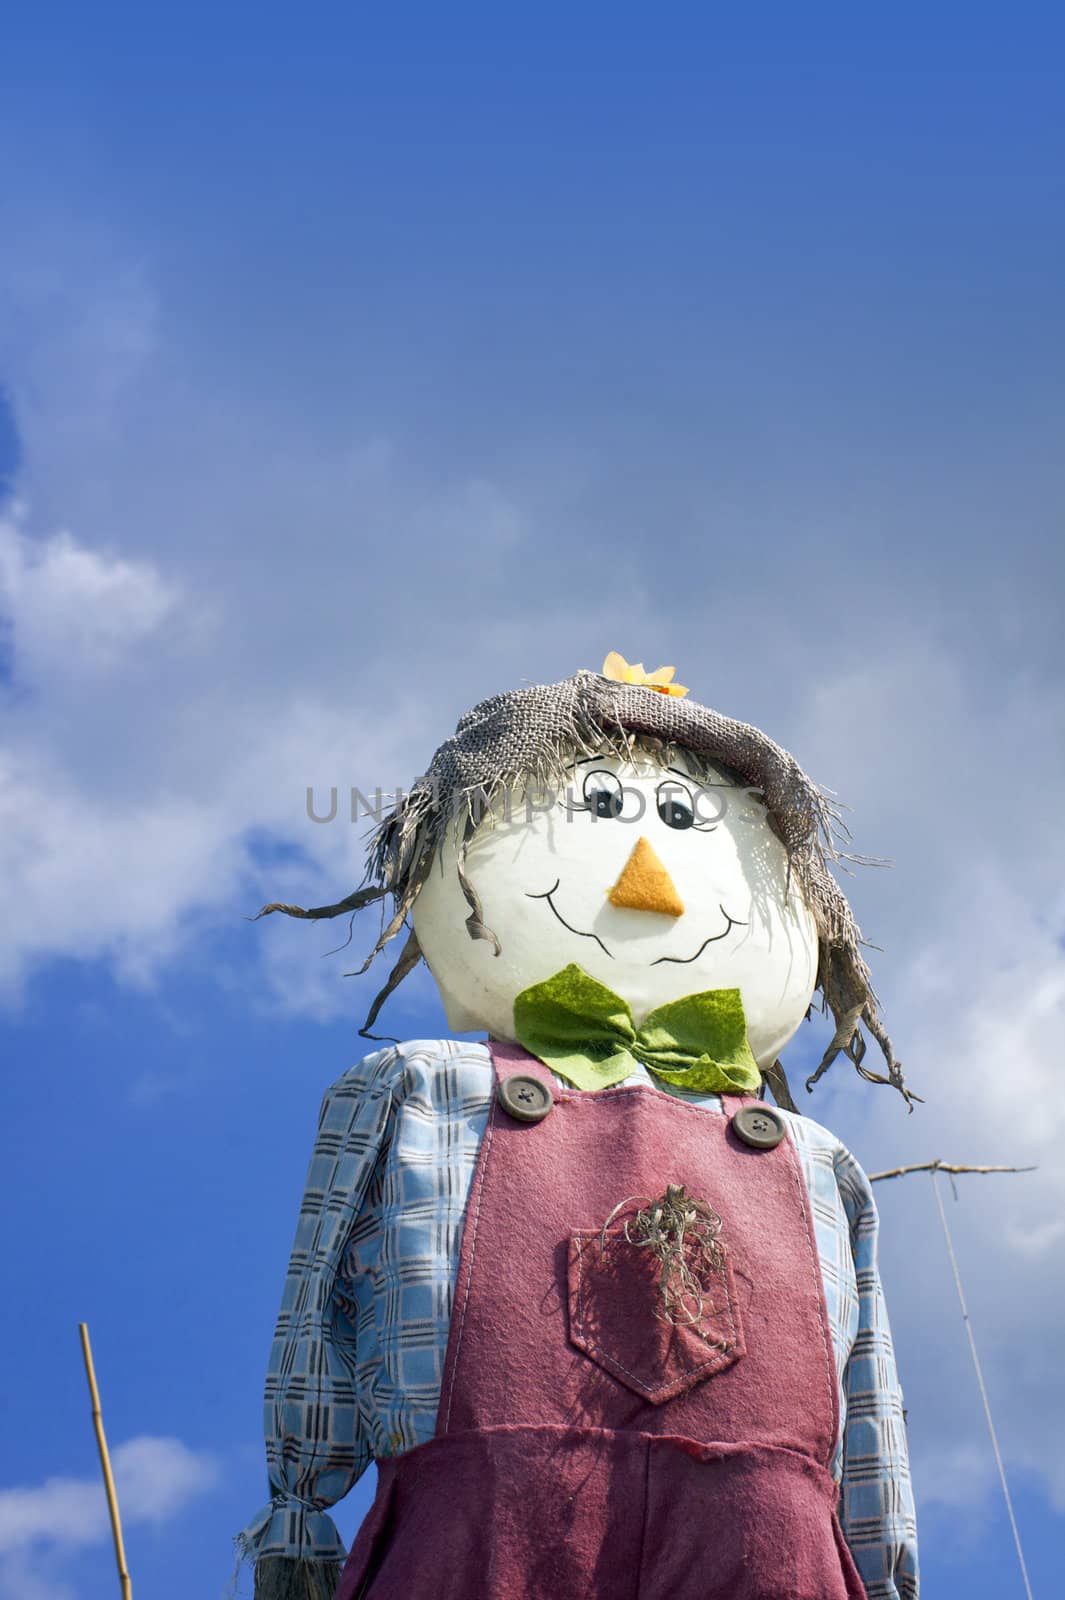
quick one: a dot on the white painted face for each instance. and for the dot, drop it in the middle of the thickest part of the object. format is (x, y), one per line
(658, 884)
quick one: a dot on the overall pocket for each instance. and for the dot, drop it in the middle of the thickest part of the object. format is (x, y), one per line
(616, 1317)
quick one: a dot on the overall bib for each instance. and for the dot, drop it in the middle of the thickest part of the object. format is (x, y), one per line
(586, 1448)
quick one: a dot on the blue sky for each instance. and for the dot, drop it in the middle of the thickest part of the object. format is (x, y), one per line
(355, 367)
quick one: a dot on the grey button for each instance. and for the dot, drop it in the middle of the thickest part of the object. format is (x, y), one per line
(759, 1126)
(524, 1098)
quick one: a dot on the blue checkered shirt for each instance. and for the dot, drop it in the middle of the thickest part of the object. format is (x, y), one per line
(358, 1351)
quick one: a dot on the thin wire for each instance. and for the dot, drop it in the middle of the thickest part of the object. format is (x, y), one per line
(982, 1386)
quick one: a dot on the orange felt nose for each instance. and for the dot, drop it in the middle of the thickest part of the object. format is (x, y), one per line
(645, 885)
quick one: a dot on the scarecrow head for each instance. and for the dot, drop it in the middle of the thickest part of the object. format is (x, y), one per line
(612, 832)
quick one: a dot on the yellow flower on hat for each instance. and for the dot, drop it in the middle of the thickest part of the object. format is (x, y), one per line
(618, 670)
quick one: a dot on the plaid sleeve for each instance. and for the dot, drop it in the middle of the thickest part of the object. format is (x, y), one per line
(876, 1499)
(314, 1448)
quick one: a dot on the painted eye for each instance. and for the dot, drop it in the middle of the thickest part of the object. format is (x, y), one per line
(675, 805)
(603, 794)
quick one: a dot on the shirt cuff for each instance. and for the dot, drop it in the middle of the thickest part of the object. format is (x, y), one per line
(288, 1526)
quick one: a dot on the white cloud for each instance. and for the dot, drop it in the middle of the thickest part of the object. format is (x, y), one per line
(956, 1476)
(155, 1478)
(71, 609)
(961, 779)
(127, 872)
(133, 773)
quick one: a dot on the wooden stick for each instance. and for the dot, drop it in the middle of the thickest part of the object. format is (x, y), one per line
(941, 1166)
(105, 1464)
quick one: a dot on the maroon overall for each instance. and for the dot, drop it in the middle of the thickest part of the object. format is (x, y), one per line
(586, 1449)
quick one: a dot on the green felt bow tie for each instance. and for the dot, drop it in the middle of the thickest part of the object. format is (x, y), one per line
(585, 1032)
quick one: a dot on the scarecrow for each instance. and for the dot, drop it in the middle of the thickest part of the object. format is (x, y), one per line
(607, 1320)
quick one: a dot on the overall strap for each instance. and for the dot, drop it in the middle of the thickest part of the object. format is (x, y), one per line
(508, 1058)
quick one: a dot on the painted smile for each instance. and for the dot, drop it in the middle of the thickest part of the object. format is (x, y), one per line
(730, 923)
(578, 931)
